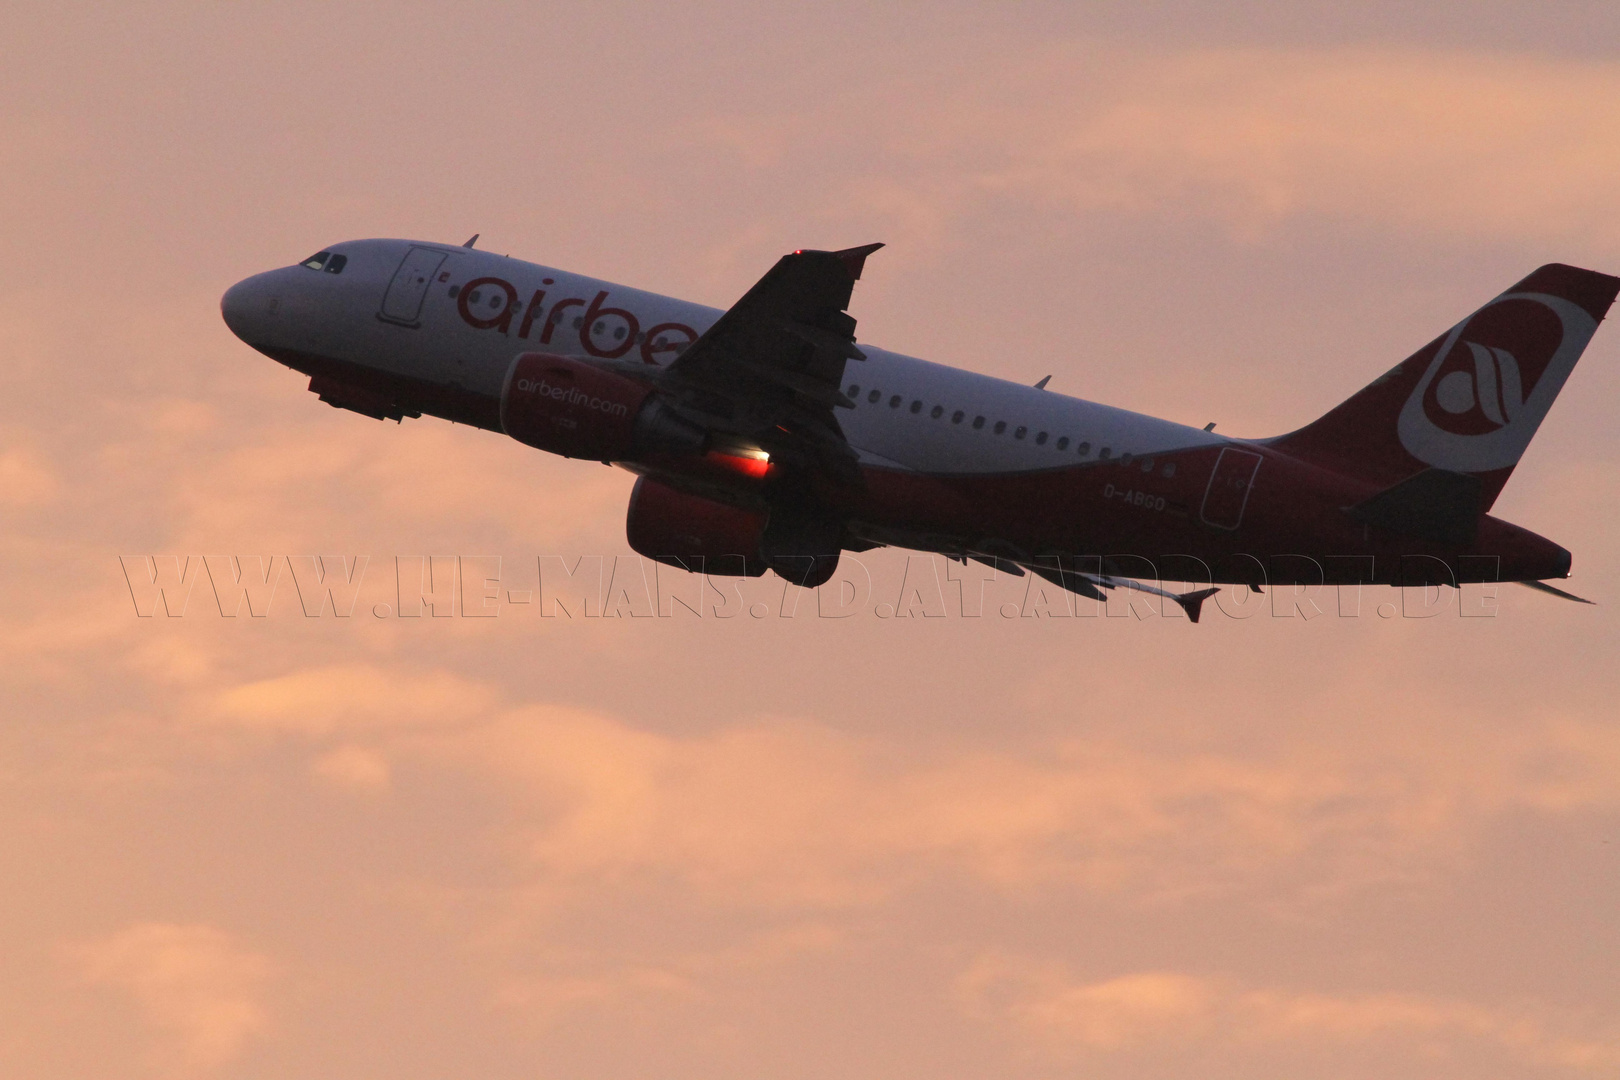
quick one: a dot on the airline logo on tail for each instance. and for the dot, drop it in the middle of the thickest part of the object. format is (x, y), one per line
(1491, 390)
(1492, 381)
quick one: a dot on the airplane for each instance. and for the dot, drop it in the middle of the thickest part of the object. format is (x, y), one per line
(765, 439)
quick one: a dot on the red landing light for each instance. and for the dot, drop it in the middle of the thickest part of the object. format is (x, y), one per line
(747, 466)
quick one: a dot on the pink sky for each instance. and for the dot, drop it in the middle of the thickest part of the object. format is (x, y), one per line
(591, 848)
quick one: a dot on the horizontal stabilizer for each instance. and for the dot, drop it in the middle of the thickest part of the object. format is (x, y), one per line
(1435, 504)
(1542, 586)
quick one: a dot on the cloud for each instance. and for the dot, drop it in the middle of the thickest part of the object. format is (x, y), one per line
(546, 999)
(352, 698)
(26, 477)
(418, 478)
(1461, 144)
(353, 767)
(198, 986)
(1063, 1016)
(793, 814)
(1479, 145)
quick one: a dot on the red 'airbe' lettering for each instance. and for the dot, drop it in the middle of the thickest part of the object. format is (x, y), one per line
(657, 341)
(537, 304)
(595, 312)
(501, 320)
(667, 337)
(550, 325)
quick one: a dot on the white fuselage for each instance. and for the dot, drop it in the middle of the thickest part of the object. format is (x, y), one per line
(367, 315)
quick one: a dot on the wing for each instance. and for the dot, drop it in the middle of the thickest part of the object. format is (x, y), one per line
(770, 371)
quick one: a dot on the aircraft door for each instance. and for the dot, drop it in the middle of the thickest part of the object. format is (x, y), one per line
(1229, 487)
(402, 303)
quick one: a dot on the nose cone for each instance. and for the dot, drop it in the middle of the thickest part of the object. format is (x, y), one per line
(233, 306)
(246, 306)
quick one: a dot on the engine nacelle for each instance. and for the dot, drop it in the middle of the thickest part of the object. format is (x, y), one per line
(694, 533)
(575, 409)
(706, 536)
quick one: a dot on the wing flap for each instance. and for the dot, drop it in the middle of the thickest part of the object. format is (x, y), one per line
(771, 369)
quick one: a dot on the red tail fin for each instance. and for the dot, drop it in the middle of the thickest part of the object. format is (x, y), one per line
(1470, 400)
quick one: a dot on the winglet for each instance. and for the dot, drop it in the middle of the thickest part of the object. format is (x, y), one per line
(854, 259)
(1193, 602)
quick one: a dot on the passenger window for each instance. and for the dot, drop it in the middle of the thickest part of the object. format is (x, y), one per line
(1063, 443)
(956, 417)
(1105, 453)
(937, 411)
(1040, 440)
(1169, 470)
(1124, 459)
(1147, 464)
(978, 422)
(894, 402)
(472, 297)
(854, 392)
(916, 407)
(317, 260)
(454, 291)
(872, 398)
(1001, 425)
(336, 263)
(1021, 432)
(1083, 449)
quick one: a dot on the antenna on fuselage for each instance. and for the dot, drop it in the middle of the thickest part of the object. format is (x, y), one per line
(473, 241)
(1042, 384)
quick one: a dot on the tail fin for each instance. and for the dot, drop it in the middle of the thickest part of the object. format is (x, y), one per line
(1469, 401)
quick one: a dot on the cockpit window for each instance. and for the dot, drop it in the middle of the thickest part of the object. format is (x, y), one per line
(325, 260)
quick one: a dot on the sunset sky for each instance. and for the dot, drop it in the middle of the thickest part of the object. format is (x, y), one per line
(1116, 846)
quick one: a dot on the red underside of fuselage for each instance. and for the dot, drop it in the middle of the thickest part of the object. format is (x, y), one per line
(1286, 523)
(1292, 528)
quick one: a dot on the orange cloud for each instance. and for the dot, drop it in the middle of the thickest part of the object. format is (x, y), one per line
(196, 985)
(1060, 1015)
(353, 767)
(1483, 145)
(26, 477)
(352, 698)
(796, 814)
